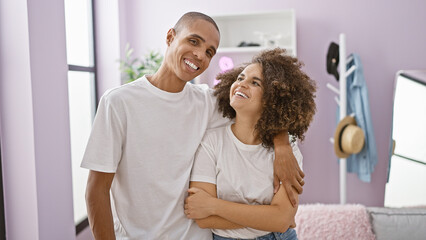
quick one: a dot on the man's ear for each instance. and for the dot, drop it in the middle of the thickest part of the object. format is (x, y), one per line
(170, 36)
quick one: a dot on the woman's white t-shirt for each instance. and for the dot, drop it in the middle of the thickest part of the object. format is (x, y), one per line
(242, 173)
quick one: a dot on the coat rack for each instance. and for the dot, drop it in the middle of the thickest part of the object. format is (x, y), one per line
(342, 102)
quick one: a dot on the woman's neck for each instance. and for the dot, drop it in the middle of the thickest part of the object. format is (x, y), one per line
(244, 130)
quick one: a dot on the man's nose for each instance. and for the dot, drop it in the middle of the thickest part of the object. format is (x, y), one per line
(199, 54)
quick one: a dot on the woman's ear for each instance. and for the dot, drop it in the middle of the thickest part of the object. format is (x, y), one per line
(170, 36)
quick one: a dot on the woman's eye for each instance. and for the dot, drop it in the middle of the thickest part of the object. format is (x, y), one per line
(239, 79)
(256, 83)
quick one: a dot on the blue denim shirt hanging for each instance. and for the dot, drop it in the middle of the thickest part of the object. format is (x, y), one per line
(364, 162)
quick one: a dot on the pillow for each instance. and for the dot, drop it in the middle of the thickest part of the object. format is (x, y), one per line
(324, 221)
(398, 223)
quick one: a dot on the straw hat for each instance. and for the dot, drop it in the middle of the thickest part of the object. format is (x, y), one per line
(348, 138)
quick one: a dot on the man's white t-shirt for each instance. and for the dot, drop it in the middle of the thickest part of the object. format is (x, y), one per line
(242, 173)
(148, 138)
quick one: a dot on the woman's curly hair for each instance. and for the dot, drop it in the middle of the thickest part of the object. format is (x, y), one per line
(288, 97)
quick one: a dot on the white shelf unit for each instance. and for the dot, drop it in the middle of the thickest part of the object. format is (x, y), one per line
(237, 28)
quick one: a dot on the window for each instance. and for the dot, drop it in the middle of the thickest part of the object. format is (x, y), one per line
(82, 94)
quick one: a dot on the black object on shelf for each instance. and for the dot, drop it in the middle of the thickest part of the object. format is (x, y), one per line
(250, 44)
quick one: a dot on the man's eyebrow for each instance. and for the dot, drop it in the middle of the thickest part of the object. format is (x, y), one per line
(198, 36)
(202, 39)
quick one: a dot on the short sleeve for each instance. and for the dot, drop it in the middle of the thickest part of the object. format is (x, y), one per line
(204, 168)
(104, 148)
(216, 118)
(297, 154)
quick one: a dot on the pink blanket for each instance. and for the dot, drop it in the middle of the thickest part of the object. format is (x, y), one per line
(320, 221)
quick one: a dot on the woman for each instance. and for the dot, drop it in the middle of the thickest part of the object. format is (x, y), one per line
(231, 189)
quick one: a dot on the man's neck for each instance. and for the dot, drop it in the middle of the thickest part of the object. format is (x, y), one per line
(166, 80)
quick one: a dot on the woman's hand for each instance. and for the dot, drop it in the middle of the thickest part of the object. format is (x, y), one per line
(199, 204)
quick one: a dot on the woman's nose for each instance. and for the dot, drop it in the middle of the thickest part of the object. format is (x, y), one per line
(242, 83)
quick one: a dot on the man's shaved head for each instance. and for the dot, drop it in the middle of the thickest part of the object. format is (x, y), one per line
(189, 17)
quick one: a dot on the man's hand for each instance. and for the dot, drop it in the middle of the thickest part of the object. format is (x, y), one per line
(286, 168)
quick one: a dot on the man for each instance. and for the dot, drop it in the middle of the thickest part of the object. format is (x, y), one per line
(145, 135)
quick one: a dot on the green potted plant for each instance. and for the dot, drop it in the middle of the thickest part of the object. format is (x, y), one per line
(134, 68)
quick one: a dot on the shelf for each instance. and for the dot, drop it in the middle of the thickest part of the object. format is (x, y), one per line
(239, 49)
(250, 49)
(259, 27)
(268, 29)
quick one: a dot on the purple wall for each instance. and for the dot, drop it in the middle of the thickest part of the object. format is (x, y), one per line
(388, 35)
(20, 194)
(34, 121)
